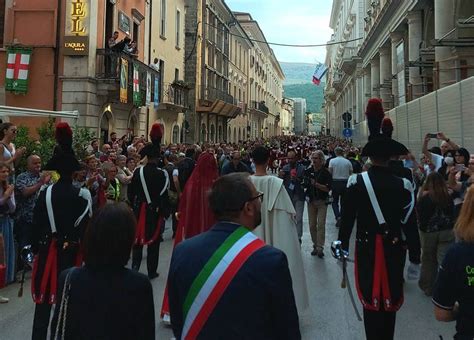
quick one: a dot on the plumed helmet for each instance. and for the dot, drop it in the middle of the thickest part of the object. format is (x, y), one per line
(380, 127)
(153, 149)
(63, 160)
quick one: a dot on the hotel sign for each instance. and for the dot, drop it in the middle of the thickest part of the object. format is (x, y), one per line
(76, 37)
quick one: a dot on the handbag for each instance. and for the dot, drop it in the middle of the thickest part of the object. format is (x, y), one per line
(60, 332)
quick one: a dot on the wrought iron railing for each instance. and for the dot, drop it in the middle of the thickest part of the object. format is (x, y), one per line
(213, 94)
(108, 66)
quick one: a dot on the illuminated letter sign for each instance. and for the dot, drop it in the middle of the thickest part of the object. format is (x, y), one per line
(76, 38)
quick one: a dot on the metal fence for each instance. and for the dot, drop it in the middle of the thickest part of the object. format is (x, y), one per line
(449, 110)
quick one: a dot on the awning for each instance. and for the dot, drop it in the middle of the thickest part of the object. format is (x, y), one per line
(12, 111)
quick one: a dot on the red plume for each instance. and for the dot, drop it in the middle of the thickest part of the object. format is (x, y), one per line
(374, 113)
(63, 134)
(156, 132)
(387, 127)
(374, 109)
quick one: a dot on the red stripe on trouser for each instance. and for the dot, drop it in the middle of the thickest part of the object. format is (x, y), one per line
(54, 279)
(33, 279)
(140, 233)
(220, 287)
(376, 285)
(356, 274)
(49, 270)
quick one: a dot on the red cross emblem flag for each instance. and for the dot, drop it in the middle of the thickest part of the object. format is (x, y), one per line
(136, 86)
(17, 71)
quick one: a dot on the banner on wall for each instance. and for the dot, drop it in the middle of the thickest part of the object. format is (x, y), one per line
(123, 80)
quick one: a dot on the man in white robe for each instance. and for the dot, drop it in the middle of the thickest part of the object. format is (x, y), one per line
(278, 226)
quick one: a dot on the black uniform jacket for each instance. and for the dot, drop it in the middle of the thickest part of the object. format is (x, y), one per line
(378, 250)
(157, 181)
(69, 205)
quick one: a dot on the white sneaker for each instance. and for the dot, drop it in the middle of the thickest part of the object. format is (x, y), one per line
(4, 299)
(413, 272)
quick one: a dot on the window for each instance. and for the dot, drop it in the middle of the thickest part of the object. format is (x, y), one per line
(176, 74)
(178, 27)
(163, 19)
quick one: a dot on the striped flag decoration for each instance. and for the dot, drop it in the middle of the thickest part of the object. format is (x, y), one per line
(319, 73)
(136, 86)
(17, 71)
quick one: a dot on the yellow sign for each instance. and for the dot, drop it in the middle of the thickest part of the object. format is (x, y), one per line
(77, 17)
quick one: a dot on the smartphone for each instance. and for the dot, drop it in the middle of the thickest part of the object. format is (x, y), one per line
(432, 135)
(460, 167)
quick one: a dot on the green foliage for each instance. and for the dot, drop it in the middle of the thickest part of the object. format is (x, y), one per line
(44, 146)
(82, 138)
(313, 94)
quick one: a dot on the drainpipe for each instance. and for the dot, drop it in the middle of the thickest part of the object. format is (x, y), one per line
(147, 125)
(56, 57)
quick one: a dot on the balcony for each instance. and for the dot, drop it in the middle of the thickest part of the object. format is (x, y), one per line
(259, 108)
(108, 66)
(174, 97)
(217, 101)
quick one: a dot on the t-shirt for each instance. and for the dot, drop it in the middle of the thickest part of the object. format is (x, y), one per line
(455, 283)
(341, 168)
(437, 161)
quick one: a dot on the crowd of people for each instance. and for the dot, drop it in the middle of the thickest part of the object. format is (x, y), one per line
(219, 195)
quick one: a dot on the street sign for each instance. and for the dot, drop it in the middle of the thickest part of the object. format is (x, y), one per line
(347, 133)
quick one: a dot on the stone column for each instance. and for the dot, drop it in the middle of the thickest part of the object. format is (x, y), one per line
(396, 39)
(386, 77)
(367, 87)
(415, 32)
(375, 77)
(444, 22)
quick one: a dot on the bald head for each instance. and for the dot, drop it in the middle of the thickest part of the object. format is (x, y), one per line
(33, 163)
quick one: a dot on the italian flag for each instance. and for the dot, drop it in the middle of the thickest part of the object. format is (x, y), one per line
(18, 63)
(136, 86)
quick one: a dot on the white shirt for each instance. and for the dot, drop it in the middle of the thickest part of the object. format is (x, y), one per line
(437, 161)
(340, 167)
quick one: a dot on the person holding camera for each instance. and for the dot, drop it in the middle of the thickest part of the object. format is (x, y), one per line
(317, 181)
(446, 145)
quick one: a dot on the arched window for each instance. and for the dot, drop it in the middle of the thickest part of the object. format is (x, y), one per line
(212, 133)
(203, 133)
(176, 138)
(105, 126)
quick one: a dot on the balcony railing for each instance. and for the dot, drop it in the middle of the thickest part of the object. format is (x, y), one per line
(174, 94)
(109, 64)
(259, 106)
(213, 94)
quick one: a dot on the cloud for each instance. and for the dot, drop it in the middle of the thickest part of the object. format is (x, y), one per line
(302, 22)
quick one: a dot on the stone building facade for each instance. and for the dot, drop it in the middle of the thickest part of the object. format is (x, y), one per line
(394, 50)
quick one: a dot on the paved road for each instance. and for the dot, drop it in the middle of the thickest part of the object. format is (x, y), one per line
(331, 315)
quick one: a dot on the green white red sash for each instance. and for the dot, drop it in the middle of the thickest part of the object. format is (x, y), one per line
(211, 283)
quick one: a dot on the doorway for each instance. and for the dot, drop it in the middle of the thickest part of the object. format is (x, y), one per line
(109, 20)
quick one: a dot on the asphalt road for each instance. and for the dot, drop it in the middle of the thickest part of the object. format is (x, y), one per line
(331, 315)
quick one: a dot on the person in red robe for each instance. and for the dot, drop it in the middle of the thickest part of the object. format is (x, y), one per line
(194, 214)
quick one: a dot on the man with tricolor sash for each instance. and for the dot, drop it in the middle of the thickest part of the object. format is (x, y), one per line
(226, 283)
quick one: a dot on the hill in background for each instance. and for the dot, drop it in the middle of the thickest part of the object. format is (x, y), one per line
(298, 84)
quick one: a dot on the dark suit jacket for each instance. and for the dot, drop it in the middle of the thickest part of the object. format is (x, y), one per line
(259, 302)
(107, 303)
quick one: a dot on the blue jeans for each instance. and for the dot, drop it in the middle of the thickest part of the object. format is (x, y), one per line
(338, 188)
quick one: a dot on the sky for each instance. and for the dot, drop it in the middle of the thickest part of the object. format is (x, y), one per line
(291, 22)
